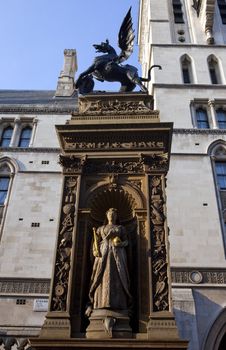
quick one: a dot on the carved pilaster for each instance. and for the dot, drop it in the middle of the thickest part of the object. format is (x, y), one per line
(57, 322)
(162, 322)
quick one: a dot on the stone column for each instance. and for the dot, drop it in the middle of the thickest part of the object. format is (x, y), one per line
(211, 104)
(16, 132)
(35, 122)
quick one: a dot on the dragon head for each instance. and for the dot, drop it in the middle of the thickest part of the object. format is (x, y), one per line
(103, 47)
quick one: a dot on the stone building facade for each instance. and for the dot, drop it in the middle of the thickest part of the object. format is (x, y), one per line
(187, 38)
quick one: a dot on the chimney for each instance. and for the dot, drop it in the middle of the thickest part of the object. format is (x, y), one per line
(65, 84)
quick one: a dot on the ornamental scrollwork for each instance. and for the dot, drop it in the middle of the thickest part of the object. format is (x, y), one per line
(64, 246)
(158, 244)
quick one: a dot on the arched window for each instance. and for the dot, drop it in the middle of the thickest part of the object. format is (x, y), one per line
(221, 118)
(177, 11)
(214, 70)
(217, 152)
(25, 137)
(8, 167)
(202, 118)
(6, 136)
(186, 69)
(222, 9)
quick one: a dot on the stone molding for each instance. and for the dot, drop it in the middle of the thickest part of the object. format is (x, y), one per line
(24, 286)
(30, 149)
(186, 276)
(8, 109)
(200, 131)
(198, 276)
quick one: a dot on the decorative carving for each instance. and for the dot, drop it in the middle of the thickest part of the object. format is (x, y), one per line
(63, 255)
(198, 276)
(155, 161)
(71, 163)
(158, 244)
(115, 166)
(114, 106)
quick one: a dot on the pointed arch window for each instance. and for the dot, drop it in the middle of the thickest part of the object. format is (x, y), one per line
(6, 136)
(217, 151)
(177, 11)
(202, 118)
(214, 70)
(222, 9)
(186, 69)
(25, 137)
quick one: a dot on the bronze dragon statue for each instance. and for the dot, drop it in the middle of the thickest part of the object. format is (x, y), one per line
(108, 67)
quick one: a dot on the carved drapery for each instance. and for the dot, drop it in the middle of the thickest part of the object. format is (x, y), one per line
(159, 264)
(64, 246)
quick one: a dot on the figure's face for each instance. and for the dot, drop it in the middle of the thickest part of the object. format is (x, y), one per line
(111, 215)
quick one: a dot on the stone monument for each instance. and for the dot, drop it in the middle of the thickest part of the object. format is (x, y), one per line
(111, 283)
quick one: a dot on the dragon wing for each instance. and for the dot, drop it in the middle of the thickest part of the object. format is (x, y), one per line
(126, 38)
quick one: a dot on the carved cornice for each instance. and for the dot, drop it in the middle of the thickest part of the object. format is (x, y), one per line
(200, 276)
(200, 131)
(116, 104)
(6, 109)
(30, 149)
(24, 286)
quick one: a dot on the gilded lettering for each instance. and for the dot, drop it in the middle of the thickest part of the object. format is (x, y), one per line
(160, 144)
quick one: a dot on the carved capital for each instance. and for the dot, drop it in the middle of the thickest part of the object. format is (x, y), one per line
(155, 161)
(72, 164)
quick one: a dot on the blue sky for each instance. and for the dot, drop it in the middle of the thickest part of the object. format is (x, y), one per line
(34, 34)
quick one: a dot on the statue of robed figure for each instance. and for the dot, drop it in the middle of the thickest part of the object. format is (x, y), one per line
(109, 291)
(108, 67)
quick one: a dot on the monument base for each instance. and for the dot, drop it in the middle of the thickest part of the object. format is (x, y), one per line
(110, 344)
(105, 324)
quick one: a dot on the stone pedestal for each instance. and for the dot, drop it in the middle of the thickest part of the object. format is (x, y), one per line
(106, 324)
(115, 154)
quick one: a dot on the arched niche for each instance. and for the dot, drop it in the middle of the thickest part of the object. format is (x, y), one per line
(127, 198)
(216, 339)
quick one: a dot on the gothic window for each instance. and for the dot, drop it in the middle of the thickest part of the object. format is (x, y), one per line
(214, 70)
(221, 118)
(222, 9)
(25, 137)
(186, 69)
(217, 152)
(202, 118)
(221, 174)
(6, 136)
(4, 185)
(8, 168)
(177, 11)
